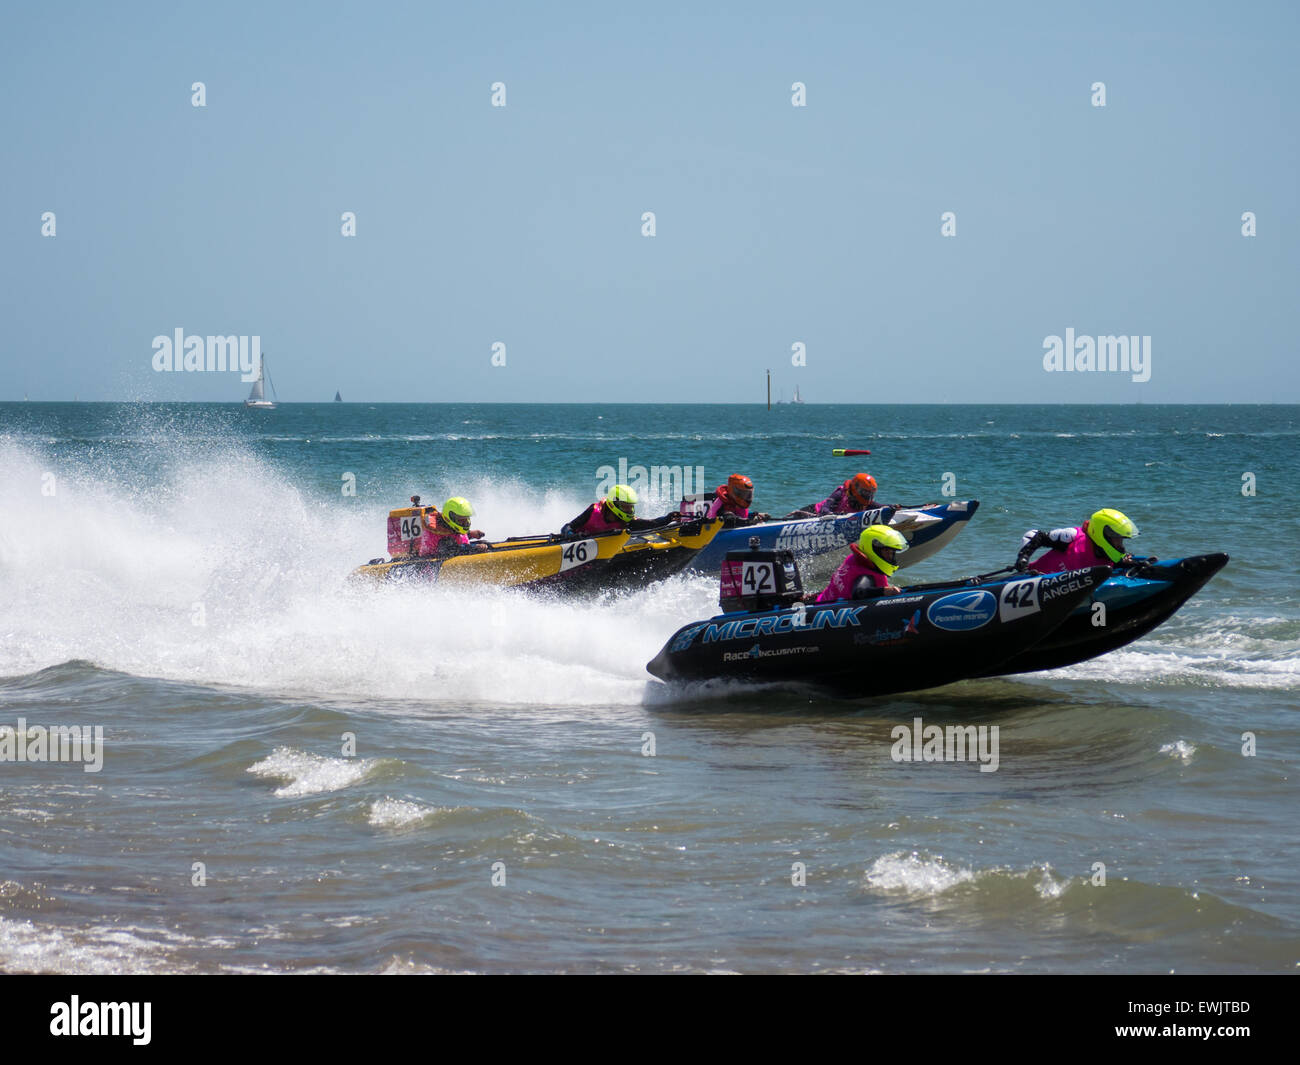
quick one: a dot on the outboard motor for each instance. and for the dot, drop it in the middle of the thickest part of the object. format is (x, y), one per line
(406, 526)
(695, 506)
(758, 580)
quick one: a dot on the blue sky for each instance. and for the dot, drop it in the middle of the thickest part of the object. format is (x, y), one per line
(774, 224)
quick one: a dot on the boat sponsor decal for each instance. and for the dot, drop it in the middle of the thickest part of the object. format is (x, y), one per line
(898, 600)
(957, 507)
(774, 624)
(963, 610)
(1019, 599)
(804, 541)
(686, 637)
(773, 652)
(886, 637)
(1055, 587)
(813, 536)
(577, 554)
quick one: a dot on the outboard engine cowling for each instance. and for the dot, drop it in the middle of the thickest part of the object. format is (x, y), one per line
(758, 580)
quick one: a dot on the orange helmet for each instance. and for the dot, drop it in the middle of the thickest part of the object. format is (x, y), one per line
(862, 488)
(739, 489)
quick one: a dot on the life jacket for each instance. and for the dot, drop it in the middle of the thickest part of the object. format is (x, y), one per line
(1080, 554)
(851, 570)
(600, 522)
(838, 502)
(722, 501)
(433, 537)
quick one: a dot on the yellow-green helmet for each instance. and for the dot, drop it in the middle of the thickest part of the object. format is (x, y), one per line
(881, 545)
(621, 502)
(456, 512)
(1108, 529)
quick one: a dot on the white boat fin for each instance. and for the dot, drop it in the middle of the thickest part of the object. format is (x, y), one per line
(910, 520)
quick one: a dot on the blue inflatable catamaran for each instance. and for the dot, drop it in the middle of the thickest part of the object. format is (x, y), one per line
(819, 544)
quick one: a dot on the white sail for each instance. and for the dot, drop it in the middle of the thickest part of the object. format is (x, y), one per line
(257, 394)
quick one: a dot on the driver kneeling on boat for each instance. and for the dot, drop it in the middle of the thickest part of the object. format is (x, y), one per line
(866, 571)
(857, 493)
(1099, 541)
(614, 513)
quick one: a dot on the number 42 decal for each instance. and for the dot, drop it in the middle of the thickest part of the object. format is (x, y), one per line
(757, 578)
(1019, 598)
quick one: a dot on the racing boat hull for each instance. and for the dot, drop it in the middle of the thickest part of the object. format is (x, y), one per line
(646, 557)
(856, 648)
(819, 543)
(614, 560)
(1134, 603)
(508, 563)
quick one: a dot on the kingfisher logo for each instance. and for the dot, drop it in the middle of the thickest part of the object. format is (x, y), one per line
(886, 637)
(963, 611)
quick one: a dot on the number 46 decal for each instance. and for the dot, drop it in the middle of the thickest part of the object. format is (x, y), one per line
(576, 554)
(1019, 598)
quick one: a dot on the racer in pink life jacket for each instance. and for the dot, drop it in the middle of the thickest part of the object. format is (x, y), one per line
(731, 503)
(865, 572)
(617, 511)
(447, 533)
(1099, 541)
(857, 493)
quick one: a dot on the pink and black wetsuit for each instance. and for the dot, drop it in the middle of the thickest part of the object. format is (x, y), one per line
(838, 502)
(721, 505)
(1071, 549)
(437, 541)
(595, 519)
(852, 569)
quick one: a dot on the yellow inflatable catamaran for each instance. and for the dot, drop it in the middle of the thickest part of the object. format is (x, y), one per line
(611, 559)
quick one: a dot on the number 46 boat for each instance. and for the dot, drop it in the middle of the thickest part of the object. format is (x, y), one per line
(596, 562)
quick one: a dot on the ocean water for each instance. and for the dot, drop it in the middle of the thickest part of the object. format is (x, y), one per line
(177, 575)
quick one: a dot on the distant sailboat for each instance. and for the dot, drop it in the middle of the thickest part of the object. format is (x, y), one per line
(257, 395)
(797, 398)
(338, 398)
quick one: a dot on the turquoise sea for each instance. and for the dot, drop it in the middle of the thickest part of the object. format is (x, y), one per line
(304, 775)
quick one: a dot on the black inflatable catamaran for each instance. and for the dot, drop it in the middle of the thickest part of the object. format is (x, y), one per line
(918, 639)
(1137, 598)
